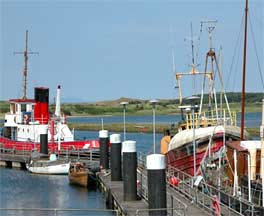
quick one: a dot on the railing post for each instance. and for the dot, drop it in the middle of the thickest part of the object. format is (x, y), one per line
(171, 205)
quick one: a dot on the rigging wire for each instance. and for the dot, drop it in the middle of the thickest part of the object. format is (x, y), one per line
(255, 48)
(237, 46)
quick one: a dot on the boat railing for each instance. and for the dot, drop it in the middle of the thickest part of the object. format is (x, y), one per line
(57, 211)
(209, 118)
(209, 197)
(20, 152)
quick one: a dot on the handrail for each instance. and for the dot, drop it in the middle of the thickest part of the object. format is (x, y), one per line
(177, 211)
(203, 194)
(61, 210)
(209, 118)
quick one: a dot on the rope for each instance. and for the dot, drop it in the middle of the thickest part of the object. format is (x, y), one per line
(255, 48)
(238, 45)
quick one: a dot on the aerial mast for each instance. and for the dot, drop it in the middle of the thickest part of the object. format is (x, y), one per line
(244, 76)
(25, 53)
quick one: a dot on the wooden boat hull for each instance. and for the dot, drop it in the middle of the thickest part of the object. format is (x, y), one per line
(79, 178)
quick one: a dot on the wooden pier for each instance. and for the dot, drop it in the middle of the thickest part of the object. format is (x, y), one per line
(18, 159)
(177, 204)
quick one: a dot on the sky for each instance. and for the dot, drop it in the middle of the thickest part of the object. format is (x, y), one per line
(104, 50)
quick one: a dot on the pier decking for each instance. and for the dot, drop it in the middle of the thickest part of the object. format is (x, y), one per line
(176, 203)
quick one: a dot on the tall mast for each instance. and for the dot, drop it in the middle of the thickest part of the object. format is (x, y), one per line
(244, 76)
(25, 53)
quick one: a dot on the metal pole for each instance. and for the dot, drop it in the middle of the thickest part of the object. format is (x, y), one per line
(154, 131)
(153, 103)
(249, 178)
(194, 145)
(124, 117)
(262, 151)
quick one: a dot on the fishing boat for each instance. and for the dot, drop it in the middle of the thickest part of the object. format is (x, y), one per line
(78, 174)
(210, 146)
(53, 166)
(27, 117)
(203, 128)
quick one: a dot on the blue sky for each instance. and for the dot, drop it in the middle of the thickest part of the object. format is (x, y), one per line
(102, 50)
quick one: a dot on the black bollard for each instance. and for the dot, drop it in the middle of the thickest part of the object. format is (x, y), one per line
(104, 142)
(129, 170)
(115, 157)
(156, 184)
(44, 140)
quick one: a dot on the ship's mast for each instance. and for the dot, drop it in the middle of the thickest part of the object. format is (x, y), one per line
(210, 26)
(25, 53)
(244, 76)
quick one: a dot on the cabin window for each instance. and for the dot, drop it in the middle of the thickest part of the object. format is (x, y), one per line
(23, 108)
(12, 108)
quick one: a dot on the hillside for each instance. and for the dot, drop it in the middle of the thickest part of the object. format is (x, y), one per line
(143, 107)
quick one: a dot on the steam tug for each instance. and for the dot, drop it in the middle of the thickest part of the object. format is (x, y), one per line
(28, 118)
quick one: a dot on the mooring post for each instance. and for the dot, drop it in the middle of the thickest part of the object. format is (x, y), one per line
(129, 170)
(115, 157)
(104, 142)
(156, 184)
(44, 140)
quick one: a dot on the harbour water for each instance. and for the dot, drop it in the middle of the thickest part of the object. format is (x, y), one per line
(20, 189)
(251, 119)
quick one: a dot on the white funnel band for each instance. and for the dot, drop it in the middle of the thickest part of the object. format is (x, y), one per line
(115, 138)
(156, 162)
(129, 146)
(43, 129)
(103, 134)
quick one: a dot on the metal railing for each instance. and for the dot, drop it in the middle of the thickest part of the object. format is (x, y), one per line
(203, 195)
(57, 212)
(170, 211)
(23, 155)
(210, 118)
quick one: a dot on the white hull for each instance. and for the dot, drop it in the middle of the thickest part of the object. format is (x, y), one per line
(58, 169)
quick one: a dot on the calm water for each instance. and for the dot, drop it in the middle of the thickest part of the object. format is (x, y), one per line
(20, 189)
(251, 119)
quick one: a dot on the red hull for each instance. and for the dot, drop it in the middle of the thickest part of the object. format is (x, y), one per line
(182, 160)
(29, 146)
